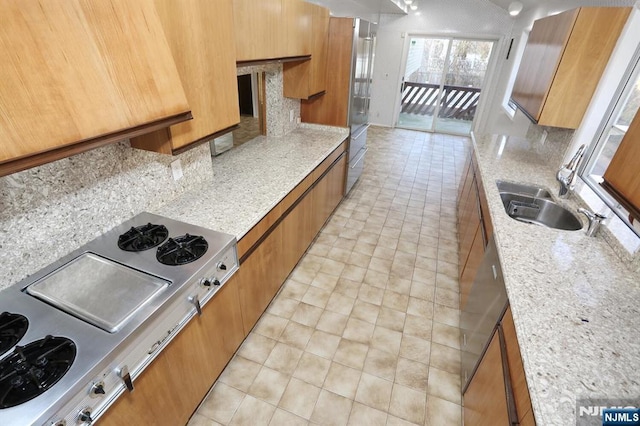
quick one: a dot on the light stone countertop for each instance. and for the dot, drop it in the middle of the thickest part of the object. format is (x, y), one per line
(576, 307)
(248, 181)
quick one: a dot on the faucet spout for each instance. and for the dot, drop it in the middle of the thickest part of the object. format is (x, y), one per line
(566, 180)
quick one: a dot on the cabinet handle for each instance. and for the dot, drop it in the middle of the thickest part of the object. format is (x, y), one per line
(364, 129)
(361, 157)
(511, 402)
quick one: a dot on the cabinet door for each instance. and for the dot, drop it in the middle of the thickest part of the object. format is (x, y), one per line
(266, 269)
(171, 388)
(470, 220)
(328, 193)
(306, 78)
(296, 19)
(464, 182)
(586, 55)
(149, 403)
(260, 277)
(471, 265)
(258, 30)
(332, 108)
(319, 49)
(485, 401)
(622, 179)
(563, 61)
(200, 35)
(540, 60)
(201, 38)
(516, 368)
(78, 74)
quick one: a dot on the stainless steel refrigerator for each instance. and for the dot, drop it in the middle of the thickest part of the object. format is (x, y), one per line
(347, 97)
(364, 41)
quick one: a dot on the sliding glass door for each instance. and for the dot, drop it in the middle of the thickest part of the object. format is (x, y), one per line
(442, 82)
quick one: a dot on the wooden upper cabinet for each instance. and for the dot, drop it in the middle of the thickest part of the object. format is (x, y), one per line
(79, 74)
(563, 61)
(622, 179)
(296, 18)
(200, 35)
(257, 29)
(305, 79)
(333, 108)
(271, 29)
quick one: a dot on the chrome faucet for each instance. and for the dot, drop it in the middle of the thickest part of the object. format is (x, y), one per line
(566, 180)
(595, 220)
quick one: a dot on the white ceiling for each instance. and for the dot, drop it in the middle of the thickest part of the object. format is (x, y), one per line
(363, 8)
(375, 7)
(528, 4)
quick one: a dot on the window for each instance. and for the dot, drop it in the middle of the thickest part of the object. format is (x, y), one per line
(620, 113)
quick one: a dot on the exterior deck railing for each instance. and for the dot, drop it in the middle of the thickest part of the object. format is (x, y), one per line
(456, 102)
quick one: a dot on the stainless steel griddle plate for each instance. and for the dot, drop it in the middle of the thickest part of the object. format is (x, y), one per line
(98, 290)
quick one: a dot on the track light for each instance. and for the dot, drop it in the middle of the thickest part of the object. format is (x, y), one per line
(515, 8)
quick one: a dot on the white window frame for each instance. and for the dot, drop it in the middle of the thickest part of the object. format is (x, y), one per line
(620, 99)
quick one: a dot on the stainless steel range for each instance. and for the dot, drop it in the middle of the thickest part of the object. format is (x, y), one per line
(75, 335)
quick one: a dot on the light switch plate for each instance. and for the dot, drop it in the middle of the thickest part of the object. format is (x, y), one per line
(292, 115)
(176, 170)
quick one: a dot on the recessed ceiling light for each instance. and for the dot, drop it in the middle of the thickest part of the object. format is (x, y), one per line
(408, 1)
(414, 7)
(515, 8)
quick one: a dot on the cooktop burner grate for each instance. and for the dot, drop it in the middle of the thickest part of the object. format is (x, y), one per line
(34, 368)
(12, 328)
(182, 250)
(143, 237)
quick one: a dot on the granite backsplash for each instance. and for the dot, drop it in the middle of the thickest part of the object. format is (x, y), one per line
(50, 210)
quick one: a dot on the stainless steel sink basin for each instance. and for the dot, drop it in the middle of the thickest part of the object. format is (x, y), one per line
(534, 205)
(519, 188)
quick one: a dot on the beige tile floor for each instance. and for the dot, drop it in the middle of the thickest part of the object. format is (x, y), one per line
(365, 330)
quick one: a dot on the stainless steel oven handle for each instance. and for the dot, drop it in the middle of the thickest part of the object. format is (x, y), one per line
(360, 134)
(360, 159)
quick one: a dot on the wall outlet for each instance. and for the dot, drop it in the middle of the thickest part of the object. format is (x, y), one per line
(298, 120)
(292, 115)
(176, 170)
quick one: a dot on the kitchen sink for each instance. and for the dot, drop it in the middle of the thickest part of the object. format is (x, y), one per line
(519, 188)
(532, 204)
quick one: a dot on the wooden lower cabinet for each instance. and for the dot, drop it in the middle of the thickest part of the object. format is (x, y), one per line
(472, 228)
(471, 266)
(516, 369)
(266, 269)
(171, 388)
(485, 401)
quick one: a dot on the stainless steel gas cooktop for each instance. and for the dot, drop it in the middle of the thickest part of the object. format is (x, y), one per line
(76, 334)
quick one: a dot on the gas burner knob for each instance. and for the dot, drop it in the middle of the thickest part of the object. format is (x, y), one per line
(97, 389)
(208, 282)
(62, 422)
(84, 416)
(221, 266)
